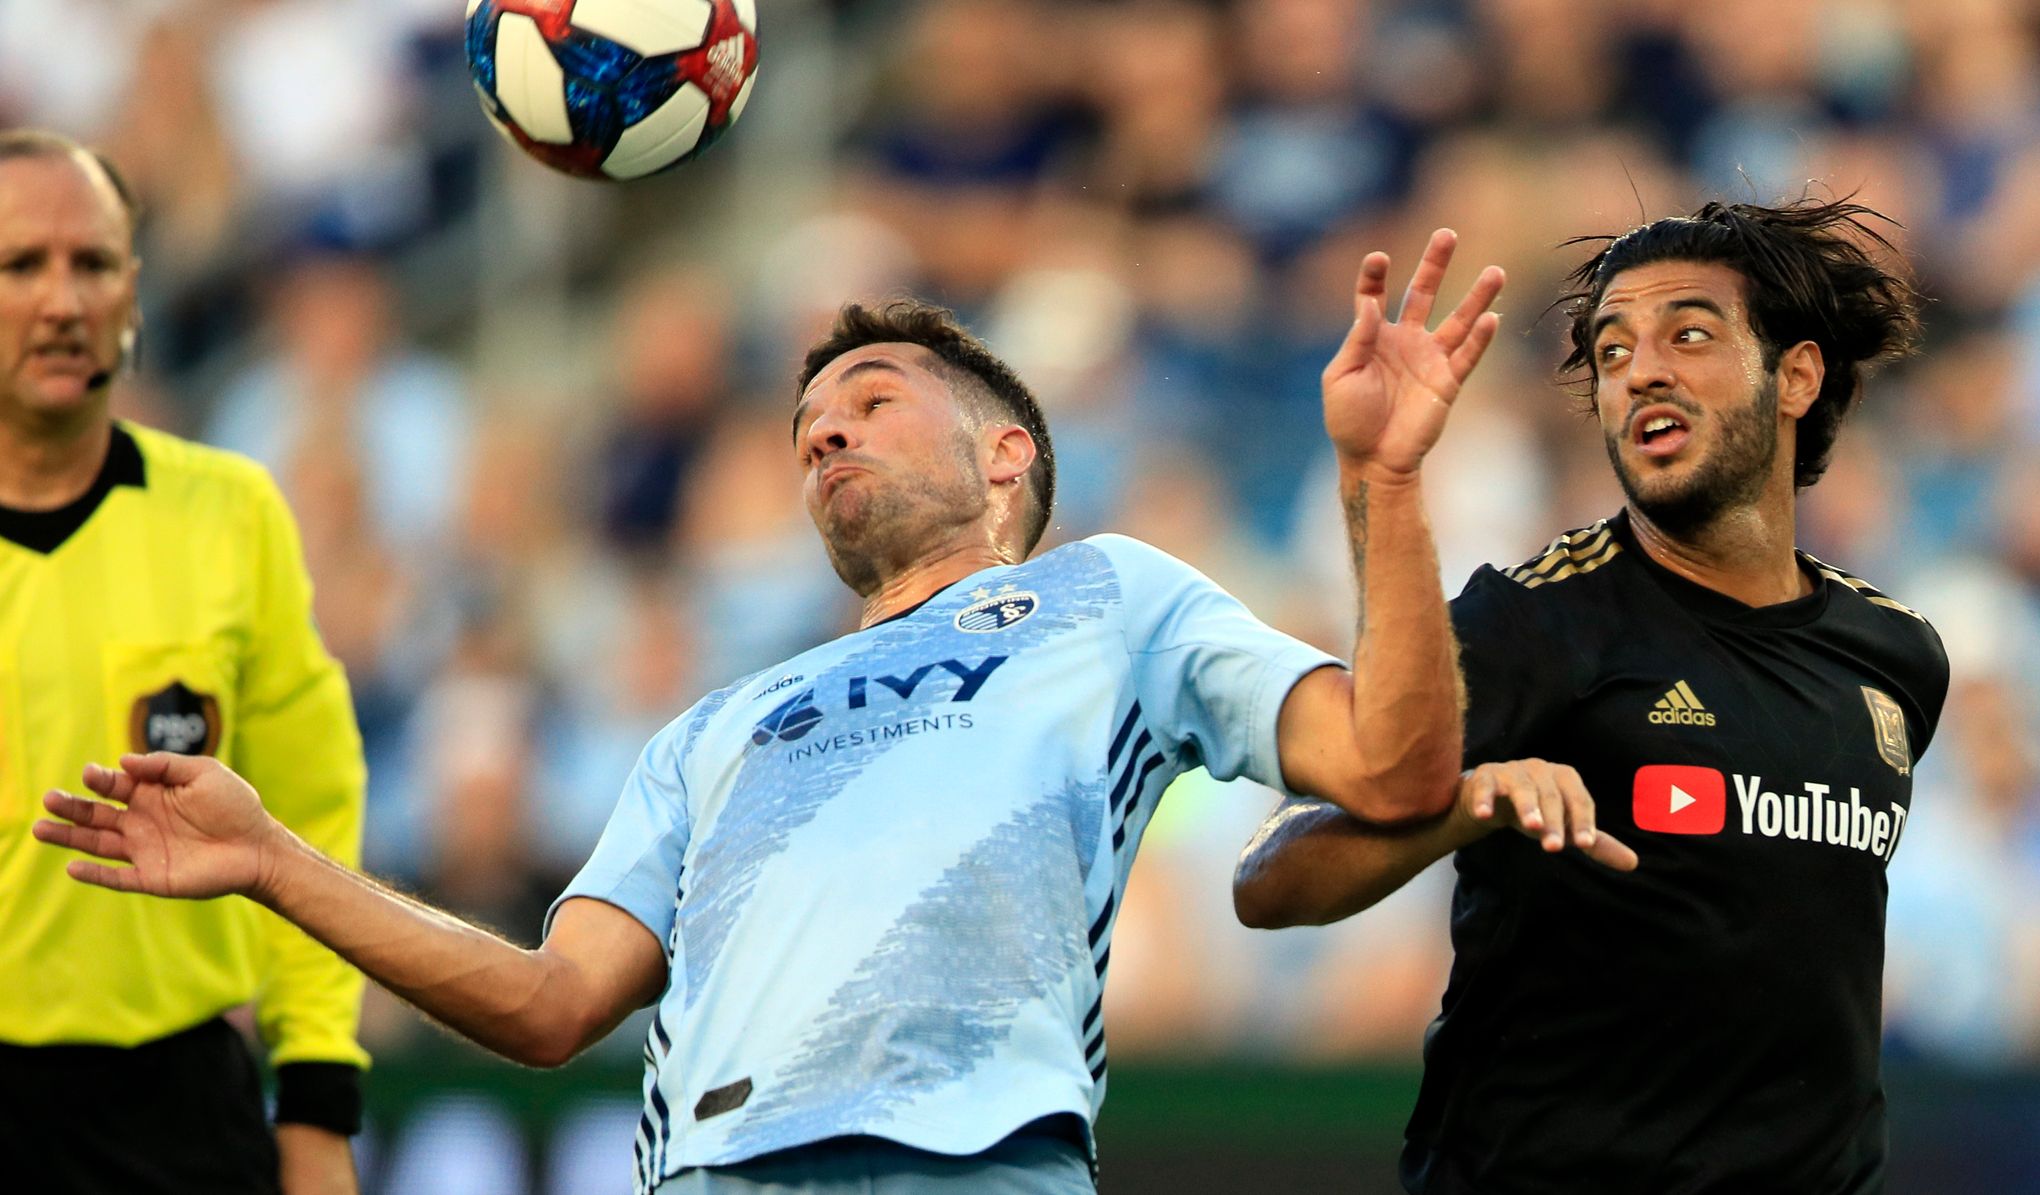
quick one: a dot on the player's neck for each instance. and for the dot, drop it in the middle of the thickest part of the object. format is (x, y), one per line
(44, 467)
(925, 577)
(1745, 552)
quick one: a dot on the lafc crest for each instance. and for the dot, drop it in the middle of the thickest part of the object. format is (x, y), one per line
(175, 718)
(1889, 722)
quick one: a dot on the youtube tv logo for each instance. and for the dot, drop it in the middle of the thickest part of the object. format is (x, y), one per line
(1677, 799)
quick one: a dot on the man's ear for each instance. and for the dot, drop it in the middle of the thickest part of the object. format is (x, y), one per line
(1013, 454)
(1800, 373)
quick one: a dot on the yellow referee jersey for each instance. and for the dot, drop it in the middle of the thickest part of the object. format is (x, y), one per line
(168, 609)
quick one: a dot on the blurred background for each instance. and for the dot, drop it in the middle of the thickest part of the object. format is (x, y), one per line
(535, 432)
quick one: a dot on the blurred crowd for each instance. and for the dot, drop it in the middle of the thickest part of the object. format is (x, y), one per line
(536, 430)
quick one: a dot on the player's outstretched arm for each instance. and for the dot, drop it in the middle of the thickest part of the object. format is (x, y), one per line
(1312, 864)
(188, 827)
(1384, 743)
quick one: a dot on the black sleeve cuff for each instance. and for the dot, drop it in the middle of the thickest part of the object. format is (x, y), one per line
(324, 1094)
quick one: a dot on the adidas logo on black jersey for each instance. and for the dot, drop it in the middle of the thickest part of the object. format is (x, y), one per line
(1680, 707)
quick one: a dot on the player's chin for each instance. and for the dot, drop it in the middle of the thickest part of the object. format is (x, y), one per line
(848, 531)
(1661, 488)
(1657, 483)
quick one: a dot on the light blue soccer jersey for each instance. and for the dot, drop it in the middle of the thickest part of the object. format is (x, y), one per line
(886, 871)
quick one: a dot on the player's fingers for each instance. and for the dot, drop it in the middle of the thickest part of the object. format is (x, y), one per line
(1372, 283)
(1479, 297)
(1470, 351)
(107, 844)
(1520, 789)
(1552, 803)
(1579, 807)
(111, 783)
(120, 879)
(1610, 853)
(1358, 347)
(1429, 276)
(77, 809)
(1480, 793)
(164, 767)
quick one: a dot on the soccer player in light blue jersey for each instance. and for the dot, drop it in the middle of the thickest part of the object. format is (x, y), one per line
(871, 890)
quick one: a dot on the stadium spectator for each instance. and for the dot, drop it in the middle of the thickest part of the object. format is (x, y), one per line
(672, 349)
(341, 378)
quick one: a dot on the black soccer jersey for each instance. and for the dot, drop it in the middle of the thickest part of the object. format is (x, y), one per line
(1709, 1022)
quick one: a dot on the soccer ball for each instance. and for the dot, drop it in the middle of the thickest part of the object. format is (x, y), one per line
(613, 88)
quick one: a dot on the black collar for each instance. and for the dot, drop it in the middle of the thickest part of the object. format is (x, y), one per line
(45, 531)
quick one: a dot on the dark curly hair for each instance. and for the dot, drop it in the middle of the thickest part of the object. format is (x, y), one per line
(1812, 272)
(977, 377)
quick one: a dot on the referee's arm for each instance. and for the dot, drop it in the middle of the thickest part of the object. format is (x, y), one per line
(297, 740)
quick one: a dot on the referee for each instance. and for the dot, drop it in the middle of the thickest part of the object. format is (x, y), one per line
(1748, 717)
(117, 1073)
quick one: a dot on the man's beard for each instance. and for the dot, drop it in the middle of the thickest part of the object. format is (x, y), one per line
(896, 520)
(1734, 474)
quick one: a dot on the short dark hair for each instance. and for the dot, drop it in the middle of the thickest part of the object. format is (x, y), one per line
(1811, 273)
(973, 373)
(41, 143)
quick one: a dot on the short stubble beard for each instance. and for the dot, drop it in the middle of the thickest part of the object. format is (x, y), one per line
(894, 525)
(1733, 475)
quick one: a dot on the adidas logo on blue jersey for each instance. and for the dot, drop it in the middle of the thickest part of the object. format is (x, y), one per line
(788, 721)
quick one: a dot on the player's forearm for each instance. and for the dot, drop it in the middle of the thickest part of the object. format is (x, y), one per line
(1313, 864)
(310, 1006)
(516, 1002)
(1407, 703)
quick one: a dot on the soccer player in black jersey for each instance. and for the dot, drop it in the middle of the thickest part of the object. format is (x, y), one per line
(1748, 718)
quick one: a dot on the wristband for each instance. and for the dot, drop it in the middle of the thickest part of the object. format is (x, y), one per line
(323, 1094)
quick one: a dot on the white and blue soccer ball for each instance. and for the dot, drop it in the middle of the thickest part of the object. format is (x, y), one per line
(615, 89)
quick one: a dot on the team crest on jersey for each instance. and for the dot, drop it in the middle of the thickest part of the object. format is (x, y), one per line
(1889, 721)
(996, 611)
(175, 718)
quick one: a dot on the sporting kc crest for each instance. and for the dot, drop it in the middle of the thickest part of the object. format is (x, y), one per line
(995, 611)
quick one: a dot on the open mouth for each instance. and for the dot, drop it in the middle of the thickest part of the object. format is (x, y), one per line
(61, 354)
(1660, 432)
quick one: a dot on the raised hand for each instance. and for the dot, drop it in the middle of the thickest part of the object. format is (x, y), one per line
(1391, 384)
(187, 826)
(1544, 801)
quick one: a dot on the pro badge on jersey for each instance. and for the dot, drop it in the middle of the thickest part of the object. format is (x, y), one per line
(175, 718)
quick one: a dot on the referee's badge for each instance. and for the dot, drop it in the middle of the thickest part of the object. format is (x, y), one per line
(995, 611)
(1889, 721)
(175, 718)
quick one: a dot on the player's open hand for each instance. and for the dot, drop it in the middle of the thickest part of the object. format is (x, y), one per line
(1391, 384)
(186, 825)
(1544, 801)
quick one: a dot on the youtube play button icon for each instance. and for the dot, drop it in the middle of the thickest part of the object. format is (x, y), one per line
(1677, 799)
